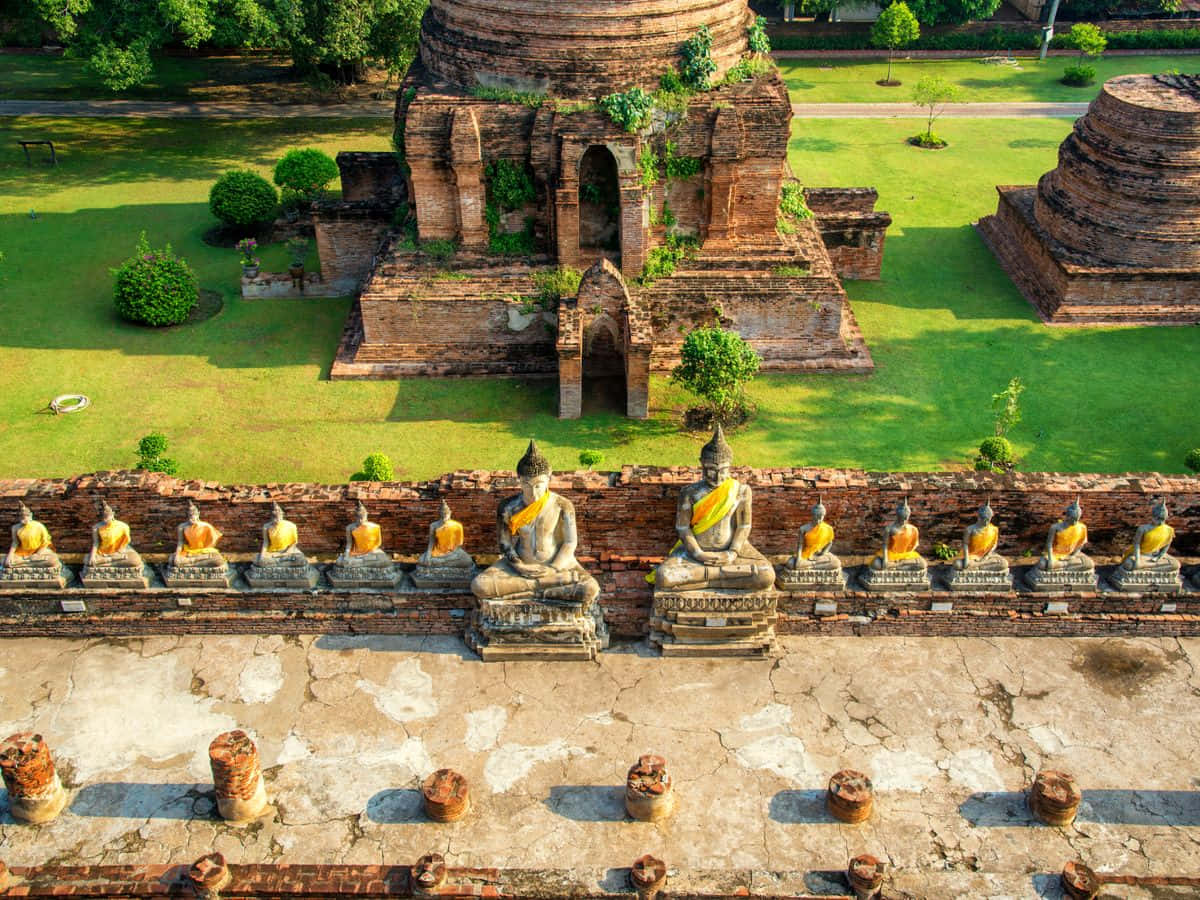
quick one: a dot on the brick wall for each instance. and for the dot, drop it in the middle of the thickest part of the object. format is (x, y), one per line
(373, 177)
(348, 236)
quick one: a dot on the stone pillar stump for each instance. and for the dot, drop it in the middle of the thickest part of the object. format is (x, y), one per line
(446, 796)
(35, 793)
(648, 876)
(209, 875)
(649, 791)
(865, 876)
(851, 797)
(1079, 882)
(1054, 797)
(237, 777)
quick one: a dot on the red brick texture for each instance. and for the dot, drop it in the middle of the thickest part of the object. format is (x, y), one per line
(26, 766)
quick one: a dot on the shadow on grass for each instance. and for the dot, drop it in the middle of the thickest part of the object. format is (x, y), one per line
(815, 145)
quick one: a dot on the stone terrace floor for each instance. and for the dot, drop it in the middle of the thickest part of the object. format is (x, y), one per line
(951, 730)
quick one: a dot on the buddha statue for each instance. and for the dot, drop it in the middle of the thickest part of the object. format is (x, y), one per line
(196, 561)
(445, 564)
(898, 566)
(112, 562)
(280, 563)
(31, 560)
(1064, 565)
(813, 565)
(980, 566)
(1148, 566)
(536, 600)
(363, 563)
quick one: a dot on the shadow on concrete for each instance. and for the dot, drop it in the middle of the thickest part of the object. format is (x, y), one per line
(826, 882)
(397, 806)
(615, 881)
(1047, 886)
(587, 802)
(137, 800)
(1105, 807)
(991, 809)
(800, 808)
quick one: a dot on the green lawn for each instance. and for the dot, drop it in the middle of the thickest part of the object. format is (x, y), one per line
(853, 80)
(243, 396)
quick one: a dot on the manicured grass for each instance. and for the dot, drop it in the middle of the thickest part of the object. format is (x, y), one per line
(243, 396)
(853, 80)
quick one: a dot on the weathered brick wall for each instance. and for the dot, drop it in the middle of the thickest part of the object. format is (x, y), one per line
(853, 233)
(373, 177)
(348, 236)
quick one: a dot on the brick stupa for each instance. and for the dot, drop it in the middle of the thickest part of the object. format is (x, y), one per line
(1112, 236)
(516, 80)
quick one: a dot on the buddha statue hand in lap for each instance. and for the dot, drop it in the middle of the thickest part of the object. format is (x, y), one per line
(112, 561)
(1064, 564)
(1148, 564)
(713, 521)
(814, 563)
(444, 564)
(280, 563)
(196, 561)
(31, 560)
(898, 565)
(980, 566)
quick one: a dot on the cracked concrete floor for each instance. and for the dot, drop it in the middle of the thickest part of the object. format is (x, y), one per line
(951, 731)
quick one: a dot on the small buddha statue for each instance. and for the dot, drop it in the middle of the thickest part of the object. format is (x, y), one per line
(814, 564)
(196, 561)
(898, 565)
(536, 599)
(980, 566)
(280, 563)
(1148, 566)
(364, 563)
(112, 561)
(445, 564)
(31, 560)
(1064, 564)
(713, 520)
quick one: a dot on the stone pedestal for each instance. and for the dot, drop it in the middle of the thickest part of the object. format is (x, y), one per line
(366, 578)
(237, 777)
(37, 578)
(198, 576)
(533, 629)
(833, 579)
(850, 797)
(1146, 580)
(1039, 579)
(649, 791)
(648, 876)
(135, 578)
(1054, 797)
(895, 578)
(209, 875)
(714, 623)
(865, 876)
(444, 578)
(446, 795)
(957, 579)
(296, 578)
(1079, 882)
(35, 793)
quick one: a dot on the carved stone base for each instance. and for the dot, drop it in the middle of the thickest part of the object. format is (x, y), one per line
(894, 578)
(39, 578)
(978, 579)
(1146, 580)
(303, 578)
(368, 578)
(198, 576)
(714, 623)
(127, 577)
(1039, 579)
(528, 629)
(434, 578)
(810, 579)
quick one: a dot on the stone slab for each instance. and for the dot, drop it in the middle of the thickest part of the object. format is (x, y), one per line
(199, 577)
(119, 577)
(282, 577)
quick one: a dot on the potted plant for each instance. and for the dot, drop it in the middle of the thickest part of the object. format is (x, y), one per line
(297, 248)
(292, 202)
(250, 262)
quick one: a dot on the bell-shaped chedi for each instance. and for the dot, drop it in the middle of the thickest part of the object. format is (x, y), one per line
(1112, 236)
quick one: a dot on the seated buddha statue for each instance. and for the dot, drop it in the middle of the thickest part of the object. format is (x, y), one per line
(898, 565)
(444, 564)
(1064, 563)
(363, 562)
(280, 563)
(196, 561)
(813, 563)
(1148, 564)
(980, 565)
(713, 520)
(31, 560)
(112, 561)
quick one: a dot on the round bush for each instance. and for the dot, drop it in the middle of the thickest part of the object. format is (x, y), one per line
(378, 467)
(243, 199)
(1192, 460)
(154, 287)
(997, 451)
(305, 171)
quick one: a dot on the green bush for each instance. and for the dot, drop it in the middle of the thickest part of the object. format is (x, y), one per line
(509, 184)
(791, 201)
(927, 139)
(671, 83)
(243, 199)
(307, 172)
(757, 33)
(631, 110)
(154, 287)
(716, 365)
(556, 284)
(590, 458)
(661, 261)
(995, 455)
(943, 552)
(150, 455)
(440, 249)
(1079, 76)
(376, 467)
(697, 68)
(1192, 459)
(677, 166)
(648, 166)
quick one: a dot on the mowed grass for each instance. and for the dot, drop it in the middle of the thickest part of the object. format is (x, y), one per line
(811, 80)
(244, 396)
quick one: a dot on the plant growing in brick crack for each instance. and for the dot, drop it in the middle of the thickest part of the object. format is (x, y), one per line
(932, 92)
(896, 27)
(757, 37)
(944, 552)
(716, 365)
(697, 66)
(150, 452)
(631, 109)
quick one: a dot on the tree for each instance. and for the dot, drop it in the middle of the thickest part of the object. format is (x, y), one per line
(1088, 39)
(952, 12)
(150, 454)
(933, 92)
(896, 27)
(1006, 407)
(716, 365)
(339, 37)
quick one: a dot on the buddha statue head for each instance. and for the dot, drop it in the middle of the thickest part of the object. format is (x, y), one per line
(193, 513)
(1158, 512)
(276, 513)
(716, 457)
(985, 512)
(106, 512)
(360, 513)
(903, 511)
(24, 513)
(1073, 513)
(818, 511)
(444, 514)
(533, 470)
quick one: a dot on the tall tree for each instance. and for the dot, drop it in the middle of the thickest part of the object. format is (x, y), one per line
(952, 12)
(340, 37)
(896, 27)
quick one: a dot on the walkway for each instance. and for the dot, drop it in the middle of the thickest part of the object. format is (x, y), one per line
(1016, 110)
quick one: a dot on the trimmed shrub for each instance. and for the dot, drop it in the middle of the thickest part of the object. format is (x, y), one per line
(1079, 76)
(307, 172)
(995, 455)
(243, 199)
(150, 454)
(1192, 459)
(154, 287)
(376, 467)
(590, 458)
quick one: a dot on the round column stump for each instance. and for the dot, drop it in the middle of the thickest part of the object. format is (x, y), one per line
(209, 875)
(446, 795)
(237, 777)
(649, 791)
(865, 875)
(851, 796)
(429, 873)
(648, 876)
(1054, 797)
(35, 793)
(1079, 882)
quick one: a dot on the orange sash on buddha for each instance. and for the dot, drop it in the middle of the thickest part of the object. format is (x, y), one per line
(523, 517)
(902, 544)
(1068, 540)
(448, 538)
(983, 541)
(366, 537)
(31, 538)
(200, 538)
(281, 535)
(114, 537)
(816, 538)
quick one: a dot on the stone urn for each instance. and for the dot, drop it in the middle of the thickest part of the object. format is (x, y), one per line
(250, 271)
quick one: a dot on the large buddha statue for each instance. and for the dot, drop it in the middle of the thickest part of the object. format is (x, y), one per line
(280, 563)
(112, 562)
(364, 563)
(196, 561)
(31, 560)
(980, 566)
(1148, 566)
(445, 564)
(898, 566)
(536, 600)
(1064, 564)
(813, 565)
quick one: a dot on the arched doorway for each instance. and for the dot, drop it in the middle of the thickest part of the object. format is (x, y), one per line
(603, 366)
(599, 207)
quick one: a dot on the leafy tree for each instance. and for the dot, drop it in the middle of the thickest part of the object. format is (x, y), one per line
(716, 365)
(339, 37)
(1088, 39)
(933, 92)
(952, 12)
(896, 27)
(590, 458)
(1006, 406)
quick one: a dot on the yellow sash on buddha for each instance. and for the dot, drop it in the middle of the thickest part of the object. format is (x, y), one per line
(1155, 539)
(523, 517)
(200, 538)
(31, 538)
(902, 544)
(715, 506)
(983, 541)
(281, 536)
(114, 537)
(366, 537)
(448, 538)
(816, 538)
(1068, 540)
